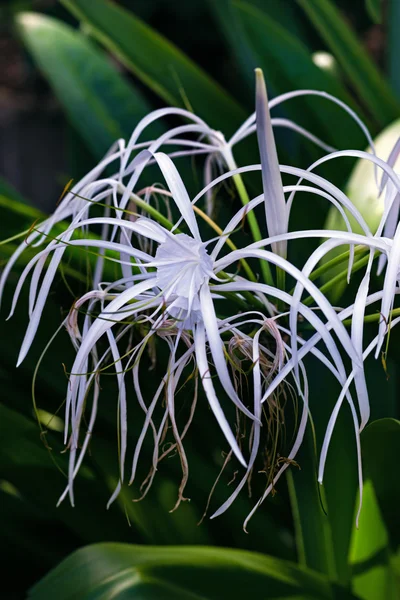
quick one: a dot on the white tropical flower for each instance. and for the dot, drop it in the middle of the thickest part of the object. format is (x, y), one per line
(179, 285)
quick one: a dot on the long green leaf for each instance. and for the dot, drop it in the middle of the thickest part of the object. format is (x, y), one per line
(101, 105)
(312, 526)
(393, 21)
(121, 571)
(374, 9)
(373, 575)
(27, 462)
(157, 62)
(381, 449)
(362, 74)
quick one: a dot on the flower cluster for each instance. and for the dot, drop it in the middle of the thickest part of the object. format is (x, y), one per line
(219, 308)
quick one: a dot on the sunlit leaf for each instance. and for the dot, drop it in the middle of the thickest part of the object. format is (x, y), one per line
(173, 573)
(381, 449)
(373, 575)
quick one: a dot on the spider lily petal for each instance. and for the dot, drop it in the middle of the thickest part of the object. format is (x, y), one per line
(389, 287)
(246, 128)
(275, 206)
(257, 382)
(202, 362)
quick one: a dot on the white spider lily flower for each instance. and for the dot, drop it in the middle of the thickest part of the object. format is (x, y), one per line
(345, 382)
(178, 284)
(93, 189)
(391, 212)
(175, 288)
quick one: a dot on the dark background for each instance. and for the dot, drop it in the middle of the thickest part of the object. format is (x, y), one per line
(39, 151)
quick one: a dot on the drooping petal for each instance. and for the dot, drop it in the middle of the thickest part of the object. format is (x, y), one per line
(205, 376)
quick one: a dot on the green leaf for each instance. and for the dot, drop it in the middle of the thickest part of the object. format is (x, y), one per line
(312, 526)
(374, 9)
(6, 189)
(381, 449)
(157, 62)
(178, 573)
(28, 462)
(361, 72)
(284, 12)
(327, 511)
(260, 41)
(373, 576)
(100, 104)
(393, 45)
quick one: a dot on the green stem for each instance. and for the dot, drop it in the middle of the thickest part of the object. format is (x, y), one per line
(335, 280)
(15, 237)
(251, 218)
(335, 261)
(376, 317)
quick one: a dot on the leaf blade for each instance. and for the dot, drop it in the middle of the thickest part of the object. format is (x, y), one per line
(100, 104)
(194, 572)
(360, 70)
(157, 62)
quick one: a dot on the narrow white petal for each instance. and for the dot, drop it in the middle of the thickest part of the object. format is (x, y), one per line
(204, 372)
(179, 193)
(216, 346)
(275, 205)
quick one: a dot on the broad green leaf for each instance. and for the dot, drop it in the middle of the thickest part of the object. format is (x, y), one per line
(361, 72)
(374, 9)
(373, 576)
(237, 38)
(312, 526)
(260, 41)
(158, 63)
(381, 449)
(178, 573)
(284, 12)
(100, 104)
(337, 495)
(395, 563)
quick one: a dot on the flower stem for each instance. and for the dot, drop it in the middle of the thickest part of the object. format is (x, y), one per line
(335, 261)
(251, 218)
(332, 282)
